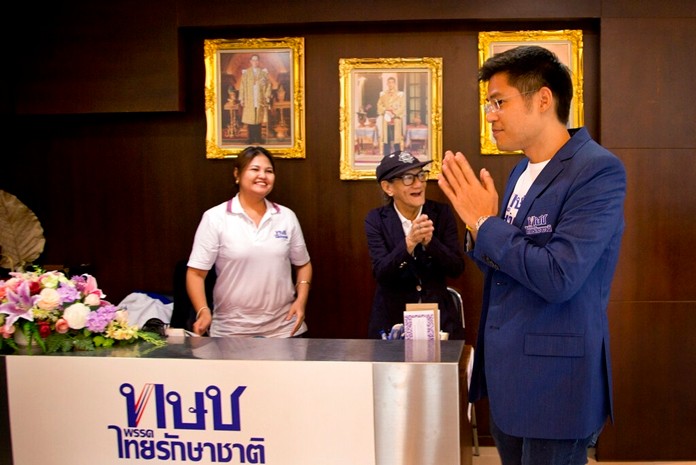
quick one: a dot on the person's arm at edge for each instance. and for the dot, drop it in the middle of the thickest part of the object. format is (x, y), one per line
(303, 284)
(195, 287)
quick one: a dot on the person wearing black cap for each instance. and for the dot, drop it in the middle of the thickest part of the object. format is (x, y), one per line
(414, 247)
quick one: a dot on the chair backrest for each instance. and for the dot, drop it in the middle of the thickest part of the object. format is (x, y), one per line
(458, 302)
(183, 313)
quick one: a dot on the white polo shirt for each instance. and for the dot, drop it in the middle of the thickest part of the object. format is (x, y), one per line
(254, 289)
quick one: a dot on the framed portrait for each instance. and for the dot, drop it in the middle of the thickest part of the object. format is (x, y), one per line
(389, 104)
(254, 95)
(566, 44)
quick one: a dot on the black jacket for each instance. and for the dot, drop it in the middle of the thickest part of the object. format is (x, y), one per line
(404, 278)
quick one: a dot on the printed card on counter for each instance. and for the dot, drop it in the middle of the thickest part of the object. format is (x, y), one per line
(422, 322)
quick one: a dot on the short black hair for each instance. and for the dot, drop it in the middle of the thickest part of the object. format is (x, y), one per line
(529, 68)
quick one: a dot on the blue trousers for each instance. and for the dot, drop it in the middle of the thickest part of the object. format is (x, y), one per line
(514, 450)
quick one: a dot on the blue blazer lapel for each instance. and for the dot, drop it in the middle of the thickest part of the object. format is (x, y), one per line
(548, 174)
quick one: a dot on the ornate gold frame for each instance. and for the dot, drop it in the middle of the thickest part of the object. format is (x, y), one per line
(567, 44)
(426, 142)
(284, 60)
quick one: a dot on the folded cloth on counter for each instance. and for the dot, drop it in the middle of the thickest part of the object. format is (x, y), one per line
(141, 307)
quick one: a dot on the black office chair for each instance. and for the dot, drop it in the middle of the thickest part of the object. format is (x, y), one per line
(459, 303)
(183, 313)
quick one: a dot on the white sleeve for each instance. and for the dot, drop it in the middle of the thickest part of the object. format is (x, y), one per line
(298, 249)
(206, 243)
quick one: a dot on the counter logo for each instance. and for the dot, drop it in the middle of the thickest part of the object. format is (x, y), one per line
(136, 407)
(167, 411)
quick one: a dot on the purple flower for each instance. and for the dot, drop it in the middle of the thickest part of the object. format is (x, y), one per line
(98, 320)
(19, 304)
(68, 293)
(80, 282)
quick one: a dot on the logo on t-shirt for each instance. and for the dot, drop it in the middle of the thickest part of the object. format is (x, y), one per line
(513, 207)
(281, 235)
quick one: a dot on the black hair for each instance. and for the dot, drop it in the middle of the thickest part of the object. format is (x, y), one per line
(528, 69)
(248, 154)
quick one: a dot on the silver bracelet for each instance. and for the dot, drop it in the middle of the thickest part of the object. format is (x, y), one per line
(480, 221)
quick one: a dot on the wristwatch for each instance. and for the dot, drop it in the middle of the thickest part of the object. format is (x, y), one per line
(480, 221)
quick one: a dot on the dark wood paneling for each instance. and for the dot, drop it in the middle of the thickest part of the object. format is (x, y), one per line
(657, 253)
(96, 57)
(647, 77)
(206, 13)
(644, 68)
(634, 9)
(654, 355)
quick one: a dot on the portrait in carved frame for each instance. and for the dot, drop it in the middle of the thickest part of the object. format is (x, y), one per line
(389, 104)
(568, 47)
(254, 95)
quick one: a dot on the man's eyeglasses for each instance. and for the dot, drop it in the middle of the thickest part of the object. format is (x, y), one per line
(494, 104)
(408, 178)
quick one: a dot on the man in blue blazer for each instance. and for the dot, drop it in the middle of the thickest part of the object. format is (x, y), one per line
(542, 354)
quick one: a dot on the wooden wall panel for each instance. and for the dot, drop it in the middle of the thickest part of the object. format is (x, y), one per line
(218, 13)
(633, 9)
(645, 68)
(657, 254)
(647, 100)
(96, 57)
(654, 352)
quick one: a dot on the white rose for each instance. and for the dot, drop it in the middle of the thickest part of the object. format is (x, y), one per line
(48, 299)
(76, 315)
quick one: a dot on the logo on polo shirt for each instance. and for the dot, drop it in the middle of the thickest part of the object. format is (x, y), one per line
(281, 235)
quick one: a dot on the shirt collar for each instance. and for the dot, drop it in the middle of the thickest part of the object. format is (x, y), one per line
(405, 222)
(234, 206)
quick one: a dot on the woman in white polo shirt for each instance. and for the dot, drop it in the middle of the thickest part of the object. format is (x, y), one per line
(254, 245)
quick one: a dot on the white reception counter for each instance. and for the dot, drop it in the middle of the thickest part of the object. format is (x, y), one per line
(240, 400)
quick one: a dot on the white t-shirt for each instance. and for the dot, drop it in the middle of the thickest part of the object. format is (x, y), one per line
(254, 289)
(524, 182)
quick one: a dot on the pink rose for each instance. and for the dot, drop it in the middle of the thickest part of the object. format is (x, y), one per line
(13, 283)
(62, 326)
(7, 331)
(92, 300)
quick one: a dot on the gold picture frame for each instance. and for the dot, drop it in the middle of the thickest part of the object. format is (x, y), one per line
(367, 125)
(566, 44)
(264, 107)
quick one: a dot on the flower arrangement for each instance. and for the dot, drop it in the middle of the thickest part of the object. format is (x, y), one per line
(61, 314)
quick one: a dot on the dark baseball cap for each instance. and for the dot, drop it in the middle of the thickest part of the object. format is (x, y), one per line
(397, 163)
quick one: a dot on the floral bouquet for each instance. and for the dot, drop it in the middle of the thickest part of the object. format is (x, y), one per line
(61, 314)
